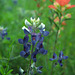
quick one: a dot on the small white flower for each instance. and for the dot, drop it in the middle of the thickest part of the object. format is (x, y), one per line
(32, 20)
(1, 28)
(21, 70)
(38, 20)
(33, 65)
(25, 28)
(27, 23)
(41, 26)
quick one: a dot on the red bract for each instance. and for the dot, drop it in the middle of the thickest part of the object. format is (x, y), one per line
(63, 2)
(51, 6)
(70, 6)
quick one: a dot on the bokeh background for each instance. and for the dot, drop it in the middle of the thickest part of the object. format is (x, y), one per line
(12, 15)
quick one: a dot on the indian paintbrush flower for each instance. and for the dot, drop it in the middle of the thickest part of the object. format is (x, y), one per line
(63, 3)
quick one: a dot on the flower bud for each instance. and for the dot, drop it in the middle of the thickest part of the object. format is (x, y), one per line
(27, 23)
(41, 26)
(32, 19)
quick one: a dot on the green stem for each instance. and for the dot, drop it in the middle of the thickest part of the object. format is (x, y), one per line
(30, 59)
(56, 42)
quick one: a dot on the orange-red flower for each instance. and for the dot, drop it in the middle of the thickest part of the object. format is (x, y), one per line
(63, 2)
(51, 6)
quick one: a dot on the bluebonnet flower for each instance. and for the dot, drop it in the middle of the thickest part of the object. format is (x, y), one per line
(45, 33)
(42, 29)
(54, 57)
(25, 53)
(39, 69)
(40, 47)
(61, 56)
(26, 30)
(24, 40)
(3, 33)
(33, 56)
(36, 40)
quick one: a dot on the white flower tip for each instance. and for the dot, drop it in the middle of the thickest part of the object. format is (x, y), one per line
(32, 19)
(38, 19)
(23, 27)
(27, 23)
(41, 26)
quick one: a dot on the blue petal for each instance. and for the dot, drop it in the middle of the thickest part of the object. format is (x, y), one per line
(22, 53)
(65, 57)
(39, 71)
(34, 38)
(40, 67)
(27, 54)
(20, 41)
(33, 56)
(51, 59)
(29, 45)
(26, 38)
(43, 51)
(26, 48)
(41, 39)
(61, 54)
(54, 56)
(60, 62)
(45, 33)
(26, 32)
(34, 59)
(8, 38)
(38, 36)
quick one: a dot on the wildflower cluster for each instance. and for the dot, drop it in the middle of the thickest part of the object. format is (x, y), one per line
(3, 33)
(63, 4)
(58, 19)
(59, 59)
(36, 39)
(59, 15)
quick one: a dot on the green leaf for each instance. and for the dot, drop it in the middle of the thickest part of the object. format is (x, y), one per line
(9, 71)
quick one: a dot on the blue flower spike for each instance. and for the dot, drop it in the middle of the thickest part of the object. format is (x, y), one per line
(36, 42)
(61, 56)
